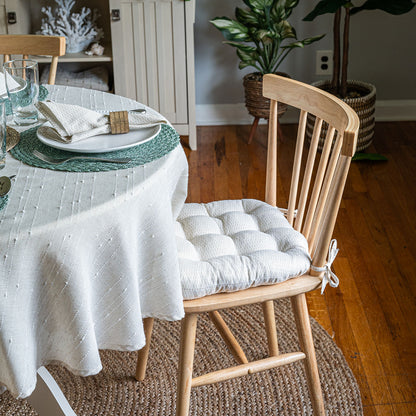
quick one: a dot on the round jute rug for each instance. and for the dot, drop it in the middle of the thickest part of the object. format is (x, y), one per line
(281, 391)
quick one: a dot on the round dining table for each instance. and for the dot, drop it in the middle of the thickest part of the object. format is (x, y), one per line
(85, 257)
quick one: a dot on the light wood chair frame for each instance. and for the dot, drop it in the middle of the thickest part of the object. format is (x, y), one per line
(316, 194)
(26, 45)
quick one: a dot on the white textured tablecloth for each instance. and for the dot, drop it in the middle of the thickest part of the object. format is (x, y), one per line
(84, 257)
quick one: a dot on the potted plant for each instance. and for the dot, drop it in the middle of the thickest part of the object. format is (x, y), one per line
(263, 38)
(361, 96)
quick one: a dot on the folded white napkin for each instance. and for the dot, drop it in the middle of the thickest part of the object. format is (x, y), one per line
(71, 123)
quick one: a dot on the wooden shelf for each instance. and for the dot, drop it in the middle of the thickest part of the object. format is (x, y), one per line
(79, 57)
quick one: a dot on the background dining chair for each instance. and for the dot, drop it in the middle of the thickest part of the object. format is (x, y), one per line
(234, 253)
(26, 45)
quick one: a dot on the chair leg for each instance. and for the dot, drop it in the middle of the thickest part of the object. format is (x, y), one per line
(228, 337)
(186, 361)
(270, 324)
(300, 310)
(143, 354)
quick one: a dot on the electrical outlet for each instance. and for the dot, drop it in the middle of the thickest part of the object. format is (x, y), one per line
(324, 63)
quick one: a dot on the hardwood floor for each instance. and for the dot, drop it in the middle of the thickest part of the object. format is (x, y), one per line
(372, 314)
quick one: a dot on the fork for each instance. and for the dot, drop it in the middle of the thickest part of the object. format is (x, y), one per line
(58, 161)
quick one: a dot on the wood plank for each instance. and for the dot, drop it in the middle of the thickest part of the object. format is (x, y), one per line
(362, 307)
(190, 71)
(389, 298)
(165, 60)
(150, 35)
(408, 409)
(123, 62)
(232, 165)
(382, 410)
(139, 46)
(179, 61)
(319, 310)
(221, 177)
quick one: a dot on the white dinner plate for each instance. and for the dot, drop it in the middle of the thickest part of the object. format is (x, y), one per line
(105, 142)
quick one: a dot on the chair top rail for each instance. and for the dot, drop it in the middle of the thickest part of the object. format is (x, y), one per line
(317, 102)
(33, 44)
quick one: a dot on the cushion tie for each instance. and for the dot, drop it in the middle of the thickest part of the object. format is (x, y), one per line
(329, 276)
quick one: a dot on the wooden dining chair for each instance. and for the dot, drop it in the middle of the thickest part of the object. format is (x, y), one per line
(26, 45)
(235, 253)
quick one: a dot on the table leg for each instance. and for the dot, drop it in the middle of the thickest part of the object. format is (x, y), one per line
(48, 399)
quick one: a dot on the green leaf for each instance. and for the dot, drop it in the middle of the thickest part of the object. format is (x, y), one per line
(243, 65)
(289, 5)
(297, 44)
(246, 17)
(246, 60)
(258, 6)
(285, 29)
(302, 43)
(246, 57)
(395, 7)
(231, 29)
(265, 36)
(368, 156)
(308, 41)
(278, 12)
(242, 46)
(325, 6)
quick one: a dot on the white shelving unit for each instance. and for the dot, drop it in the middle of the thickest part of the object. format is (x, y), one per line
(149, 49)
(153, 53)
(24, 16)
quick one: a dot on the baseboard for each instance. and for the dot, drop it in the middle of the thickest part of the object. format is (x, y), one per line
(225, 114)
(396, 110)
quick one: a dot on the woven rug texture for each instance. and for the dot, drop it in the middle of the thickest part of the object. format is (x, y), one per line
(282, 391)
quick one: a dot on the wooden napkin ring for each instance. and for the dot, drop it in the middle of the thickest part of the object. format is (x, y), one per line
(119, 122)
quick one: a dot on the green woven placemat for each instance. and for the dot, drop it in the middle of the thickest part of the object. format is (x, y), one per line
(3, 201)
(154, 149)
(43, 93)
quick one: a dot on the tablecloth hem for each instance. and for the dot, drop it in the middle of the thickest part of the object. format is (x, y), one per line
(27, 392)
(169, 318)
(15, 394)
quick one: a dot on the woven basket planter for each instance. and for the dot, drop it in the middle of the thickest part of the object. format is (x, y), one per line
(364, 106)
(257, 105)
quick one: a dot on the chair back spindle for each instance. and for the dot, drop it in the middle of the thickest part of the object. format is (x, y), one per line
(271, 172)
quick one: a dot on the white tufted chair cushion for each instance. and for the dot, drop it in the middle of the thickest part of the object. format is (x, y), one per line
(225, 246)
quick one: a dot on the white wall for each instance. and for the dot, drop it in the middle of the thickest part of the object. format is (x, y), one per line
(382, 51)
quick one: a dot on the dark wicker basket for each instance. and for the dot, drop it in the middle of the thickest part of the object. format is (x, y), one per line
(364, 106)
(256, 104)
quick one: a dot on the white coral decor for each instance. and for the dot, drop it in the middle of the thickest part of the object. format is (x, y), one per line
(79, 29)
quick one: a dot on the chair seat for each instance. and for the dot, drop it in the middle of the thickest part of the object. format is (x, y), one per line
(225, 246)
